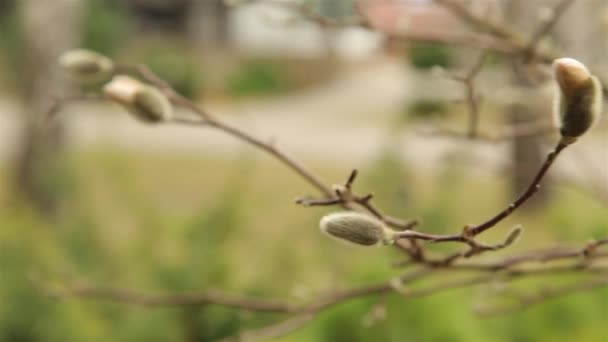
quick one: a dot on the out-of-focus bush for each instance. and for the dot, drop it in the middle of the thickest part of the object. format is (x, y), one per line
(259, 77)
(426, 109)
(256, 77)
(177, 64)
(126, 227)
(105, 26)
(11, 45)
(426, 56)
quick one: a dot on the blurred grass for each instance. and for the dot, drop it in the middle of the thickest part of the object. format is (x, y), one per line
(168, 223)
(271, 76)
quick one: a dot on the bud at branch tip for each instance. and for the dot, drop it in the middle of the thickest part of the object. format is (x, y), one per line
(357, 228)
(577, 101)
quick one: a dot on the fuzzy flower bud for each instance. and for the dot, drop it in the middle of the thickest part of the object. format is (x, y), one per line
(578, 99)
(356, 228)
(86, 66)
(145, 102)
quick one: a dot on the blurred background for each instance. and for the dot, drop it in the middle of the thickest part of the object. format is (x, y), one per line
(101, 198)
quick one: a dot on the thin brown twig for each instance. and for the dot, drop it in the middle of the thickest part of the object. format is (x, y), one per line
(518, 44)
(529, 192)
(211, 121)
(503, 39)
(165, 300)
(495, 28)
(206, 119)
(547, 27)
(345, 195)
(400, 287)
(473, 231)
(59, 104)
(586, 253)
(279, 329)
(518, 131)
(471, 39)
(526, 300)
(302, 314)
(468, 81)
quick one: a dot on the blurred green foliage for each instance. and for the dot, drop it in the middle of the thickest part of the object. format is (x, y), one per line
(105, 26)
(259, 77)
(270, 76)
(428, 55)
(427, 108)
(12, 44)
(164, 224)
(177, 65)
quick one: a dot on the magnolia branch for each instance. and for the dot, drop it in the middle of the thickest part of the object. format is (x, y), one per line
(583, 260)
(301, 314)
(468, 81)
(524, 301)
(345, 196)
(546, 28)
(470, 231)
(517, 131)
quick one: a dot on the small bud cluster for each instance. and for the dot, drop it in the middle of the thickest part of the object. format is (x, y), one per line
(145, 102)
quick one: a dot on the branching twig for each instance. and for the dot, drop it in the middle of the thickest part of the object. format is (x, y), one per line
(495, 28)
(300, 315)
(468, 80)
(345, 196)
(547, 27)
(279, 329)
(524, 301)
(473, 231)
(499, 37)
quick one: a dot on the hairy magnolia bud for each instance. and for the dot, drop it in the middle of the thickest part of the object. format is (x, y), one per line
(578, 98)
(145, 102)
(356, 228)
(86, 66)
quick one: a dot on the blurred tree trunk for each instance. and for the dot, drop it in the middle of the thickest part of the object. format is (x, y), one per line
(50, 28)
(209, 24)
(527, 154)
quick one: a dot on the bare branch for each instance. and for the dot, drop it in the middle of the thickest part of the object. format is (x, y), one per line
(60, 103)
(495, 28)
(345, 196)
(165, 300)
(517, 131)
(300, 315)
(529, 192)
(524, 301)
(468, 81)
(279, 329)
(547, 27)
(482, 227)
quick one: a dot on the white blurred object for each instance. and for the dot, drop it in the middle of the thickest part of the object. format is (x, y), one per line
(262, 29)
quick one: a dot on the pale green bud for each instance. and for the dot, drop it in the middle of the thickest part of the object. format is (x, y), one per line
(145, 102)
(578, 99)
(86, 66)
(356, 228)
